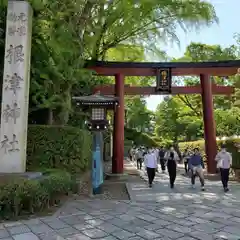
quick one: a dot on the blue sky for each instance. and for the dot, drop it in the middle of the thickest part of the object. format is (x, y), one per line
(222, 33)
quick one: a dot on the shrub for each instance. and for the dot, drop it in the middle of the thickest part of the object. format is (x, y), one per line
(58, 147)
(233, 146)
(19, 196)
(139, 138)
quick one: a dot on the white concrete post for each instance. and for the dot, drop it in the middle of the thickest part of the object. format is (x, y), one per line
(15, 90)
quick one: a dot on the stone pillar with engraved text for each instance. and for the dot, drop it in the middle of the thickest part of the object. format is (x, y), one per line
(15, 91)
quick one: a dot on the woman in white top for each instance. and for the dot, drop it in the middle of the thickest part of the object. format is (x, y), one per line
(150, 162)
(171, 157)
(224, 162)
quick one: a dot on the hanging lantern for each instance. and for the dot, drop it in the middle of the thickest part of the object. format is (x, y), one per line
(97, 105)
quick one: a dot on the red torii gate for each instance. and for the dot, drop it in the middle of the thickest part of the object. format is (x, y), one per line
(206, 89)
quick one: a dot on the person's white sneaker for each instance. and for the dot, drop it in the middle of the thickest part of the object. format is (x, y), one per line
(203, 188)
(193, 186)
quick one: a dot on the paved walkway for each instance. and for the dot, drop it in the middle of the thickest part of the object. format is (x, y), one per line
(157, 213)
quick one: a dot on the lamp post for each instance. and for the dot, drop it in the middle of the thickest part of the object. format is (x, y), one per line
(97, 105)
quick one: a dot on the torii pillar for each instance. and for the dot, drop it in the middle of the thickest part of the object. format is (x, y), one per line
(209, 122)
(118, 128)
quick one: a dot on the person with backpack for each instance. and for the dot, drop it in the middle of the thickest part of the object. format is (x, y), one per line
(162, 160)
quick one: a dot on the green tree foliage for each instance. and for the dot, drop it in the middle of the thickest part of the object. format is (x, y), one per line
(176, 121)
(65, 33)
(138, 116)
(126, 53)
(109, 23)
(237, 91)
(200, 52)
(57, 65)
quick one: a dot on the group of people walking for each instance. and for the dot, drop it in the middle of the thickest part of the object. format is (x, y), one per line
(193, 163)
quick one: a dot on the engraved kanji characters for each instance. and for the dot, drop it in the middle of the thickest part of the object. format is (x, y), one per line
(14, 144)
(13, 83)
(6, 113)
(9, 146)
(13, 113)
(14, 29)
(18, 25)
(12, 17)
(15, 54)
(4, 144)
(21, 18)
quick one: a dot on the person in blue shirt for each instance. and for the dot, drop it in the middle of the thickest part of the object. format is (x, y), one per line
(196, 166)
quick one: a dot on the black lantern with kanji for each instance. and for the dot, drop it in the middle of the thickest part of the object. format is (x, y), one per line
(164, 80)
(97, 105)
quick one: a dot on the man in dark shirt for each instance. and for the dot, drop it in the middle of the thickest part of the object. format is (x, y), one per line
(162, 160)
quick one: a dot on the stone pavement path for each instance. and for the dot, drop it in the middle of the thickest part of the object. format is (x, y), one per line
(157, 213)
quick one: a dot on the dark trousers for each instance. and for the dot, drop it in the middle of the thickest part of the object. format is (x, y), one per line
(162, 162)
(172, 171)
(224, 177)
(139, 163)
(151, 174)
(186, 166)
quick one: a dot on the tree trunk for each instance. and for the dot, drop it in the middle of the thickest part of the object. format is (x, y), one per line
(61, 114)
(176, 146)
(50, 116)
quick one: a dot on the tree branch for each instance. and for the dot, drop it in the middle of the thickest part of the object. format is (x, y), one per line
(186, 101)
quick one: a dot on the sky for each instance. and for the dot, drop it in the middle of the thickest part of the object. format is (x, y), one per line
(222, 34)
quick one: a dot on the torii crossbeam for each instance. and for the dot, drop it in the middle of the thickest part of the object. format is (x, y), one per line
(206, 88)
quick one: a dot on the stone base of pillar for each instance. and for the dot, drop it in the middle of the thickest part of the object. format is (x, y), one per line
(116, 176)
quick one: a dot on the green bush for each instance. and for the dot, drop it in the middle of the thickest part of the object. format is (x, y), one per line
(233, 146)
(19, 196)
(58, 147)
(139, 138)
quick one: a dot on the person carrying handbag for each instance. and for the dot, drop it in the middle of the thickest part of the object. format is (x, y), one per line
(224, 162)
